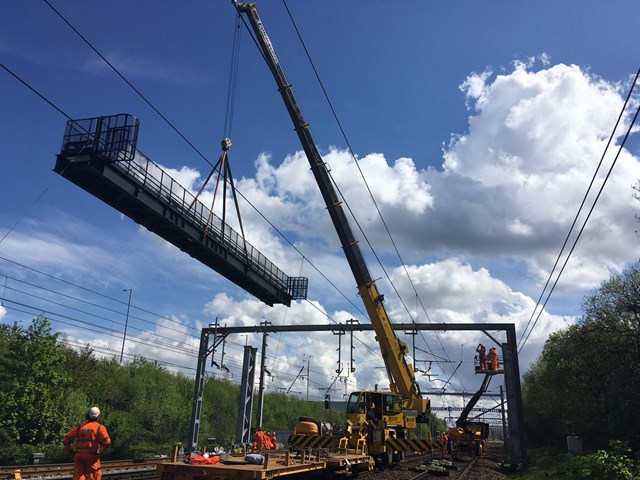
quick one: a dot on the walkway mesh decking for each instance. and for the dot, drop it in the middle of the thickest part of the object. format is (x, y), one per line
(99, 155)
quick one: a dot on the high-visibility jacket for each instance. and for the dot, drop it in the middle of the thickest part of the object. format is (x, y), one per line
(91, 438)
(492, 356)
(482, 355)
(261, 440)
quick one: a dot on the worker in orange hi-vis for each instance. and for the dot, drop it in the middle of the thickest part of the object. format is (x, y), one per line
(91, 441)
(261, 440)
(445, 442)
(492, 357)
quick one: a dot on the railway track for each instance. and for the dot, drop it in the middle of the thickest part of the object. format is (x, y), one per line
(464, 468)
(112, 469)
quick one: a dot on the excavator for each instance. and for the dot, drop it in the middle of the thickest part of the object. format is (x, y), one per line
(377, 421)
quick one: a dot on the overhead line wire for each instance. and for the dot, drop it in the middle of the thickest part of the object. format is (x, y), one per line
(344, 136)
(227, 127)
(56, 316)
(33, 204)
(117, 72)
(91, 303)
(133, 357)
(575, 242)
(88, 290)
(131, 327)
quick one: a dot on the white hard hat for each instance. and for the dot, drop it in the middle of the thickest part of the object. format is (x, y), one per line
(94, 412)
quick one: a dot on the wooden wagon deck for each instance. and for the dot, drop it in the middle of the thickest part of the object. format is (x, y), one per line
(275, 465)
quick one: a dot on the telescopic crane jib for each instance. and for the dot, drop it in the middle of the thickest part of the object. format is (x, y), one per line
(401, 374)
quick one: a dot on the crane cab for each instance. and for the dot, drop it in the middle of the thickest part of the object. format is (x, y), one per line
(371, 406)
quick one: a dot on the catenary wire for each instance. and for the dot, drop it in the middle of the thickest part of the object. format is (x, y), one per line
(347, 142)
(129, 83)
(524, 338)
(81, 300)
(117, 72)
(95, 316)
(575, 220)
(67, 282)
(65, 319)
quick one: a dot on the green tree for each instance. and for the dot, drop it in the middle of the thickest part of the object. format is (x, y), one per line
(34, 383)
(145, 408)
(615, 464)
(587, 379)
(219, 411)
(613, 314)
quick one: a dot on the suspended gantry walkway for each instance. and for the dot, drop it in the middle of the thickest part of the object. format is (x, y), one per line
(99, 155)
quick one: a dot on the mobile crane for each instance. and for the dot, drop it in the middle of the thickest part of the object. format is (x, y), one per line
(402, 407)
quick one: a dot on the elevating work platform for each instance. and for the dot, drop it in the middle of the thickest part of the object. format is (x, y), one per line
(99, 155)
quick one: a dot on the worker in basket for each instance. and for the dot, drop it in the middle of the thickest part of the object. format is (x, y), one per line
(482, 356)
(492, 357)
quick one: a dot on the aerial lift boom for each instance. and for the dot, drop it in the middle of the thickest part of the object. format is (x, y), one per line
(401, 374)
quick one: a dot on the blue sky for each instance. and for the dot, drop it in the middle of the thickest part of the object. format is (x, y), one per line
(478, 126)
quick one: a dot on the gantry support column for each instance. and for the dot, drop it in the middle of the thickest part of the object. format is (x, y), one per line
(245, 404)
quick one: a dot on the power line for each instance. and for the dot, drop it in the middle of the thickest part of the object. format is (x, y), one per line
(379, 212)
(229, 108)
(524, 339)
(57, 316)
(86, 289)
(117, 72)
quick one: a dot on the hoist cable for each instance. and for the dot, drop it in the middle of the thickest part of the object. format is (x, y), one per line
(233, 79)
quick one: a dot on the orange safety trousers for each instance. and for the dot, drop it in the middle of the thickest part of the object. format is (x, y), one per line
(86, 467)
(91, 440)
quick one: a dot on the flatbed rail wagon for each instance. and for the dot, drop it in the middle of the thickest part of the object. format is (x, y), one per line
(276, 465)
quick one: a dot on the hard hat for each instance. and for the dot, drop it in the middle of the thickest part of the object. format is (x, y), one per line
(94, 412)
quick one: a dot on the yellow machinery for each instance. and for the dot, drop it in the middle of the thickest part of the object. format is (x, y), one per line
(403, 405)
(468, 435)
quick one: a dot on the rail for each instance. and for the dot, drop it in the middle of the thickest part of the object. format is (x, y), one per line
(114, 469)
